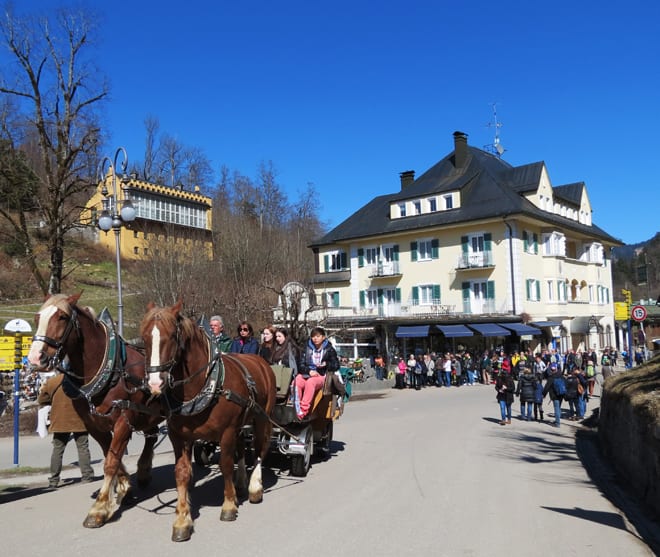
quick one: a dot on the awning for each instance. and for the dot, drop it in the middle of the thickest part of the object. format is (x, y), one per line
(522, 329)
(453, 331)
(546, 323)
(489, 329)
(417, 331)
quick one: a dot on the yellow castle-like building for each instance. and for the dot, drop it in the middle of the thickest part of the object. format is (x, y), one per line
(166, 218)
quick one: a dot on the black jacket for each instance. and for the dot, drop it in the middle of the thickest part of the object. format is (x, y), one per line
(527, 387)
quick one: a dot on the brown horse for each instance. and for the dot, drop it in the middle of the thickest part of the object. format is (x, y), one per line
(208, 396)
(106, 379)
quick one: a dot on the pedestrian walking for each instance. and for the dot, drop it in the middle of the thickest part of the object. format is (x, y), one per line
(65, 423)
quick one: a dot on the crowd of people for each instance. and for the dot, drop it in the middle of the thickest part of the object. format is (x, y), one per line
(568, 377)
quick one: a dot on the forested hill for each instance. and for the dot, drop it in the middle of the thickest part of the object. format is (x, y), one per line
(636, 267)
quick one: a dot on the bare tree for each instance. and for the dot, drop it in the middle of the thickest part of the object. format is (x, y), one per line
(56, 92)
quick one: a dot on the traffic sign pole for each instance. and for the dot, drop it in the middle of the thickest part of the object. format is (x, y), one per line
(17, 326)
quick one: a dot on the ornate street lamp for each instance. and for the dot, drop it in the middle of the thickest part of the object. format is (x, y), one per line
(112, 217)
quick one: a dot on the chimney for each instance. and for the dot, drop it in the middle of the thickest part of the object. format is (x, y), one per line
(460, 149)
(407, 178)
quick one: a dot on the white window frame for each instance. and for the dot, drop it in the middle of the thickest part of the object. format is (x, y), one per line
(425, 254)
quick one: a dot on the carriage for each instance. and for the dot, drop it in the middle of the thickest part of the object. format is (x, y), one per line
(296, 439)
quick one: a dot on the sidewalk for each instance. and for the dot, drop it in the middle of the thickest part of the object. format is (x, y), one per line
(34, 452)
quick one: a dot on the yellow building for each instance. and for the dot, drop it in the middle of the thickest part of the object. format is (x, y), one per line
(165, 218)
(473, 248)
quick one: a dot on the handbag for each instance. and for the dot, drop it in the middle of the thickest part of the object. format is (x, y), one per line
(580, 388)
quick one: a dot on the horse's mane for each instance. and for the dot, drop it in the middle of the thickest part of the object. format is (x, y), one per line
(61, 302)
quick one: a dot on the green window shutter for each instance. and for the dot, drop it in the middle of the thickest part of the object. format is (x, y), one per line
(488, 240)
(528, 288)
(465, 286)
(380, 296)
(397, 295)
(559, 289)
(525, 240)
(363, 297)
(490, 290)
(415, 295)
(395, 252)
(535, 238)
(464, 244)
(360, 257)
(344, 261)
(538, 290)
(326, 263)
(413, 251)
(335, 299)
(435, 248)
(436, 293)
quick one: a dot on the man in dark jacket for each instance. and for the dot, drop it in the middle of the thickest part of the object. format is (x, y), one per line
(554, 375)
(64, 424)
(526, 391)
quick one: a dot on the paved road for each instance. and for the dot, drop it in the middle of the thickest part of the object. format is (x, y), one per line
(412, 473)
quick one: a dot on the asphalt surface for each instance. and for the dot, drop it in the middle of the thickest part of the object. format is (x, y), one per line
(425, 472)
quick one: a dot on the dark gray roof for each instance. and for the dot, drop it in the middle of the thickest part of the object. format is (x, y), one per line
(571, 193)
(490, 188)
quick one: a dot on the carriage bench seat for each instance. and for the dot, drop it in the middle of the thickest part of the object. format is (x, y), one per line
(283, 377)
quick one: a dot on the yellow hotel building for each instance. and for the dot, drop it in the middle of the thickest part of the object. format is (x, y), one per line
(165, 218)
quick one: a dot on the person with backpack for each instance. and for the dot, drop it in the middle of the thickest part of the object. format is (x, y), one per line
(590, 372)
(555, 386)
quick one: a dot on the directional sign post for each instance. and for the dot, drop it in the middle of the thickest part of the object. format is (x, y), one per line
(638, 313)
(17, 326)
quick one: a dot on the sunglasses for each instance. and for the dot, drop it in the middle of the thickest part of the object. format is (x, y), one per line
(244, 329)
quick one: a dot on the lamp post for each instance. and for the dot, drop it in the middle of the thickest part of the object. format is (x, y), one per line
(114, 217)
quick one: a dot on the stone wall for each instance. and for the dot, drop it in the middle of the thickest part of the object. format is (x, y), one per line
(629, 429)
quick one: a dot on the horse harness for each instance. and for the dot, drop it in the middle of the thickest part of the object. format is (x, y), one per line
(214, 385)
(112, 369)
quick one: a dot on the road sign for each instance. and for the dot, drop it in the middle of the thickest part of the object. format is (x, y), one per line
(638, 313)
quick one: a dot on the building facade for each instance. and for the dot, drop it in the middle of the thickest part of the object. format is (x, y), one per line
(474, 251)
(166, 219)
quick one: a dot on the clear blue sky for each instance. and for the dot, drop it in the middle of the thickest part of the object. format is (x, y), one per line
(347, 94)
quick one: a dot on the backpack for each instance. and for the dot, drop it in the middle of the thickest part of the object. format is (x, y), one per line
(559, 385)
(590, 370)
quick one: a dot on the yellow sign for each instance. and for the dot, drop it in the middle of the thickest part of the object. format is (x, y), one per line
(621, 311)
(7, 346)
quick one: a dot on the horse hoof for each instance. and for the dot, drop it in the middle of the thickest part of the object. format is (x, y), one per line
(181, 534)
(93, 521)
(256, 498)
(228, 516)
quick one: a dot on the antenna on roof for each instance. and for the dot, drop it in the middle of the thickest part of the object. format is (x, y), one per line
(495, 148)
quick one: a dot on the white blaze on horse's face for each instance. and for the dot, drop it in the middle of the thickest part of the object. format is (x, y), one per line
(34, 356)
(155, 382)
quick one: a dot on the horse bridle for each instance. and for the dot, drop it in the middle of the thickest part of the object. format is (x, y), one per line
(58, 345)
(165, 370)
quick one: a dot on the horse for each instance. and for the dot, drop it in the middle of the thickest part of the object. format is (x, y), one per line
(207, 395)
(106, 379)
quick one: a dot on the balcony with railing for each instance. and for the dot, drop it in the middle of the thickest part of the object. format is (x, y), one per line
(384, 269)
(477, 260)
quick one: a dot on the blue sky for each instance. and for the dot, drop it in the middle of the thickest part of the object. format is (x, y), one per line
(349, 94)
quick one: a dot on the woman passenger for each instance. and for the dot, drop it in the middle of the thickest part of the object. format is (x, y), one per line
(267, 344)
(244, 343)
